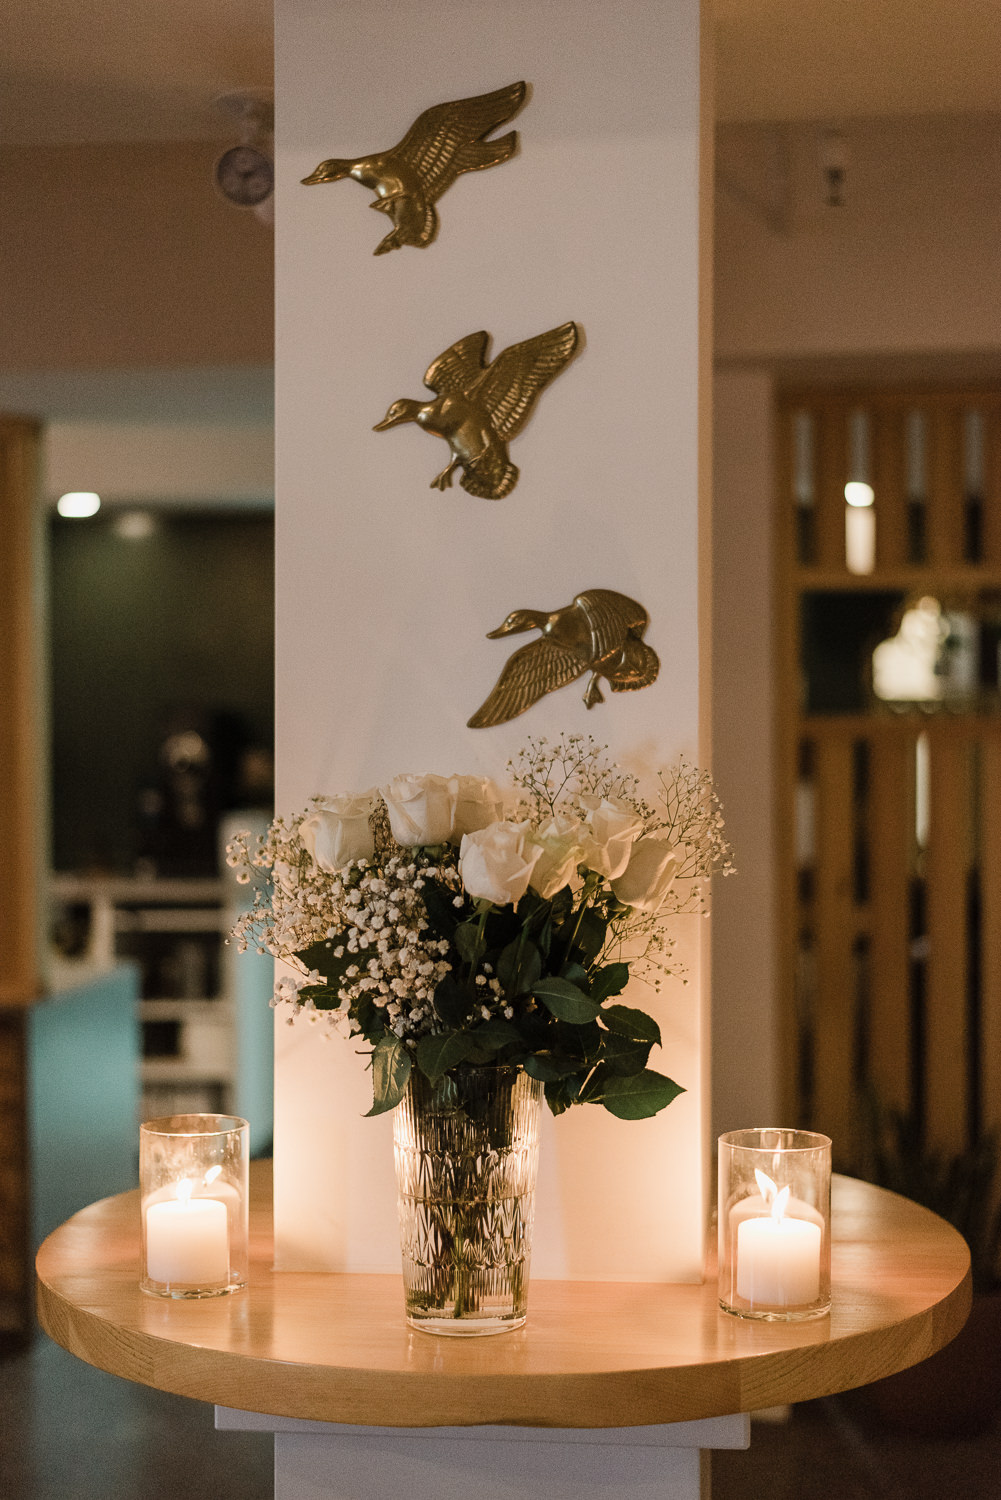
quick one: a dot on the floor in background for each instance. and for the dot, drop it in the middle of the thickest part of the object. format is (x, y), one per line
(69, 1432)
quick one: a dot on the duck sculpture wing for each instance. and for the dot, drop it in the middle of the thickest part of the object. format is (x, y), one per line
(508, 388)
(453, 372)
(611, 617)
(537, 669)
(448, 138)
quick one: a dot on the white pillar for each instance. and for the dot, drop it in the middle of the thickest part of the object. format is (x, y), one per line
(386, 588)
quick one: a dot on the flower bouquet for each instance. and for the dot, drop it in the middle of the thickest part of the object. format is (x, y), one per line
(477, 944)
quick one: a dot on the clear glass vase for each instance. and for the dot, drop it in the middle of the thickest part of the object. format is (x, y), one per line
(467, 1151)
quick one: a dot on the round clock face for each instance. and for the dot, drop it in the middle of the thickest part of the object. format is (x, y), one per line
(245, 176)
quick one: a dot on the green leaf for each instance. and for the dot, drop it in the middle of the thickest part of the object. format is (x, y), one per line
(495, 1034)
(549, 1069)
(635, 1024)
(320, 956)
(565, 1000)
(622, 1056)
(519, 966)
(322, 996)
(439, 903)
(437, 1054)
(611, 980)
(561, 1094)
(577, 974)
(582, 1041)
(390, 1071)
(469, 941)
(452, 1001)
(590, 937)
(639, 1097)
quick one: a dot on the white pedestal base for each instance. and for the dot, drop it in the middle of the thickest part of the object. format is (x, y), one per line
(327, 1461)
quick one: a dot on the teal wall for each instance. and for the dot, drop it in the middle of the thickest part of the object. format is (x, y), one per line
(185, 615)
(83, 1097)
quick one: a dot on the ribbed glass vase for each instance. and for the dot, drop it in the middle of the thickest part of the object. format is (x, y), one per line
(467, 1151)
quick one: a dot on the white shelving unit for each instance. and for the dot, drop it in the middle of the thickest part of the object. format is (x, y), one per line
(203, 1012)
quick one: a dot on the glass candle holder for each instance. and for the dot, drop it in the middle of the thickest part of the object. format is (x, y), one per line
(775, 1224)
(193, 1175)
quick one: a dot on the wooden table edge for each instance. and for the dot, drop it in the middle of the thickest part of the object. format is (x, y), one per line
(770, 1371)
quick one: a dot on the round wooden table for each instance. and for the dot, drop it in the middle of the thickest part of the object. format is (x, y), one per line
(593, 1354)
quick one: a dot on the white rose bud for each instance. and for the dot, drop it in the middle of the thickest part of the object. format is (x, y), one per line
(496, 863)
(612, 829)
(420, 809)
(338, 832)
(560, 840)
(477, 803)
(649, 875)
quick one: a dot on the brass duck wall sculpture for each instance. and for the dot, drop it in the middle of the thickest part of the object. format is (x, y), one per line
(480, 407)
(441, 143)
(600, 632)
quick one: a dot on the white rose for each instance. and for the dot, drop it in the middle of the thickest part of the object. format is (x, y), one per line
(338, 832)
(420, 809)
(560, 841)
(477, 803)
(496, 863)
(612, 828)
(649, 875)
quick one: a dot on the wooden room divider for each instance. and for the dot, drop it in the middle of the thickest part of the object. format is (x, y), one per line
(891, 796)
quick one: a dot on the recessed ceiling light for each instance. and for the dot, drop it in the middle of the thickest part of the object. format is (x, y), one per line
(79, 503)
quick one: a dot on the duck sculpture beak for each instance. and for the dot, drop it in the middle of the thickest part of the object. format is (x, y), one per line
(511, 626)
(393, 418)
(331, 170)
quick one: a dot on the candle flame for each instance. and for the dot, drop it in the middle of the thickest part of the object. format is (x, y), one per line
(184, 1190)
(212, 1174)
(775, 1201)
(766, 1187)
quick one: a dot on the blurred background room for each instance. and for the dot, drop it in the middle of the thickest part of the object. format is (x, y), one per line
(856, 636)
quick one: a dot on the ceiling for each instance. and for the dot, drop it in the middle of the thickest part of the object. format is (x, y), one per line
(106, 70)
(117, 70)
(839, 59)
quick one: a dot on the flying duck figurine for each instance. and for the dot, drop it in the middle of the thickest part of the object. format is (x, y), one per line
(441, 143)
(600, 632)
(479, 407)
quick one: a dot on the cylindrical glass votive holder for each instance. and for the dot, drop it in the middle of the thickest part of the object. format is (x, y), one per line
(193, 1175)
(775, 1224)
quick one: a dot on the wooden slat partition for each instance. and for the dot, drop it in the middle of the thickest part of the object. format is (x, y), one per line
(990, 927)
(831, 459)
(19, 798)
(889, 472)
(833, 1021)
(945, 485)
(947, 870)
(891, 837)
(916, 979)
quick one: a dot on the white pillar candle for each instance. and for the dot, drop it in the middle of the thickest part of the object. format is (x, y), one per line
(187, 1242)
(778, 1262)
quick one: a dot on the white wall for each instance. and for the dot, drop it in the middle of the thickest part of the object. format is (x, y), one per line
(204, 463)
(911, 264)
(386, 589)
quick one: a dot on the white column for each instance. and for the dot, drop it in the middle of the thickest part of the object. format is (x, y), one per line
(386, 589)
(325, 1461)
